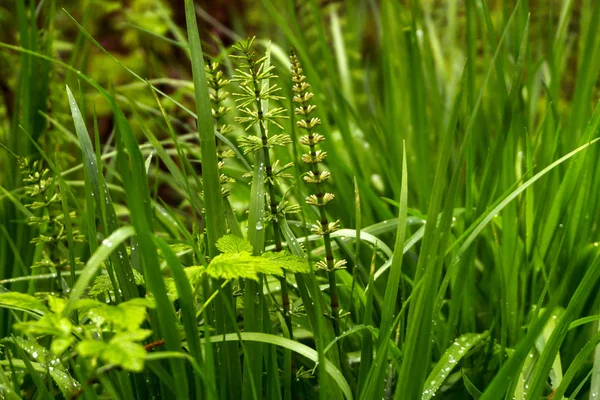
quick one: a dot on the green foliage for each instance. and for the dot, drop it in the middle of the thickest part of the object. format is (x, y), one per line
(233, 245)
(118, 328)
(103, 284)
(455, 142)
(123, 350)
(22, 301)
(237, 261)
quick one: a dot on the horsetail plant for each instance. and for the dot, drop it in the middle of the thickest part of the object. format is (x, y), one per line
(218, 94)
(315, 156)
(254, 76)
(43, 189)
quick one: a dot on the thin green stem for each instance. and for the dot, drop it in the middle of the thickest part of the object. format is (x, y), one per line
(285, 300)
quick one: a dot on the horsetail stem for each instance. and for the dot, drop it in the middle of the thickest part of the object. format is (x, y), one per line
(218, 94)
(324, 228)
(252, 82)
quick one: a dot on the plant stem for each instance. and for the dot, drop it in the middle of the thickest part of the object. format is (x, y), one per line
(334, 301)
(285, 299)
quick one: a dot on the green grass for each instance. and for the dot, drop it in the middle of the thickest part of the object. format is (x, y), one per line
(151, 248)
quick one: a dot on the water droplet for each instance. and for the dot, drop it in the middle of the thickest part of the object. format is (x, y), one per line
(259, 225)
(107, 243)
(377, 182)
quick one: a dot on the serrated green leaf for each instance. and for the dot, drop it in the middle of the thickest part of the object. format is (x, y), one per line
(84, 305)
(136, 335)
(286, 260)
(61, 344)
(194, 274)
(268, 268)
(102, 284)
(21, 301)
(128, 355)
(242, 265)
(126, 316)
(122, 350)
(233, 266)
(56, 304)
(90, 348)
(50, 324)
(231, 244)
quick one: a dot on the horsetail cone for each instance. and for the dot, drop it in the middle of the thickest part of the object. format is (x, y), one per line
(315, 176)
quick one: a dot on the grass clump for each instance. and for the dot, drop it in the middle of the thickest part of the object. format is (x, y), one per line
(404, 207)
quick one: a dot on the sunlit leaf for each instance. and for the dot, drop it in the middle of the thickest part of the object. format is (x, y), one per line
(22, 301)
(286, 260)
(233, 245)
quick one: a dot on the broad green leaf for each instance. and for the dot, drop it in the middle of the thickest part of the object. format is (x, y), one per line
(134, 335)
(242, 265)
(91, 348)
(128, 355)
(50, 324)
(127, 316)
(56, 304)
(287, 261)
(233, 266)
(102, 283)
(233, 244)
(122, 350)
(194, 274)
(23, 302)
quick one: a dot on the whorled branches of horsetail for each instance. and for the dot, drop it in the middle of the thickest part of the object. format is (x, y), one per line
(254, 76)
